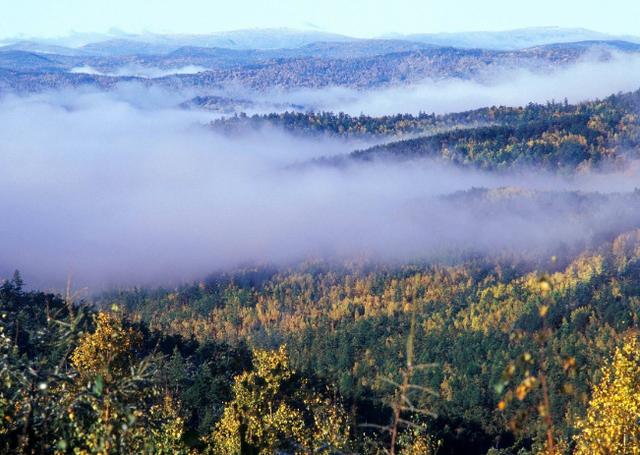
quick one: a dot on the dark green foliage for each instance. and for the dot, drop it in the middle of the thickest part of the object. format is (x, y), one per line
(345, 125)
(39, 387)
(554, 137)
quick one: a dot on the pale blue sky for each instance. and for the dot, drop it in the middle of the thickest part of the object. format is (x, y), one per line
(352, 17)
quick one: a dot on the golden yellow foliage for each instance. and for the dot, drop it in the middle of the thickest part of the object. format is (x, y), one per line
(612, 423)
(418, 443)
(166, 436)
(108, 351)
(272, 410)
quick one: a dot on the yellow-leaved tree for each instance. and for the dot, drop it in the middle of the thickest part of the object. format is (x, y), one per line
(275, 410)
(612, 423)
(107, 352)
(116, 406)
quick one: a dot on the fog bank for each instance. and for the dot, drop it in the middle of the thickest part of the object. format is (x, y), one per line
(146, 72)
(121, 188)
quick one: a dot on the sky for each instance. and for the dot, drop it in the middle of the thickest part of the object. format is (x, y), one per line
(360, 18)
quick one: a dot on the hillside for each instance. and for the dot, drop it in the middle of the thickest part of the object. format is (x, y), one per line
(597, 134)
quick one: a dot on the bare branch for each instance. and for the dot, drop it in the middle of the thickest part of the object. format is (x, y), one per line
(422, 388)
(407, 423)
(418, 411)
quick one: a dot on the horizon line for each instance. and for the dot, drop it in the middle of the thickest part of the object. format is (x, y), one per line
(117, 32)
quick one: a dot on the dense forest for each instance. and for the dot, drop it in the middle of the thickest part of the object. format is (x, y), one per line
(363, 126)
(596, 134)
(482, 355)
(398, 125)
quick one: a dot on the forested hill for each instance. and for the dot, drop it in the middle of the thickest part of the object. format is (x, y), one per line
(489, 327)
(364, 126)
(553, 136)
(366, 65)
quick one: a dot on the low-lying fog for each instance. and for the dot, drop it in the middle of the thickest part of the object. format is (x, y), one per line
(123, 188)
(145, 72)
(589, 78)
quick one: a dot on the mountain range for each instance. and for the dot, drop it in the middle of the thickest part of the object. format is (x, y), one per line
(290, 59)
(120, 43)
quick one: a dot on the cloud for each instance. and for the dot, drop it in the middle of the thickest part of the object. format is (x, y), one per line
(145, 72)
(123, 188)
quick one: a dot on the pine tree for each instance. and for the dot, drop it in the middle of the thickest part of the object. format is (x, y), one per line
(18, 283)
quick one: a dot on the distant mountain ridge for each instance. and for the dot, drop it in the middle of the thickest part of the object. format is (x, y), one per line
(154, 44)
(514, 39)
(120, 43)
